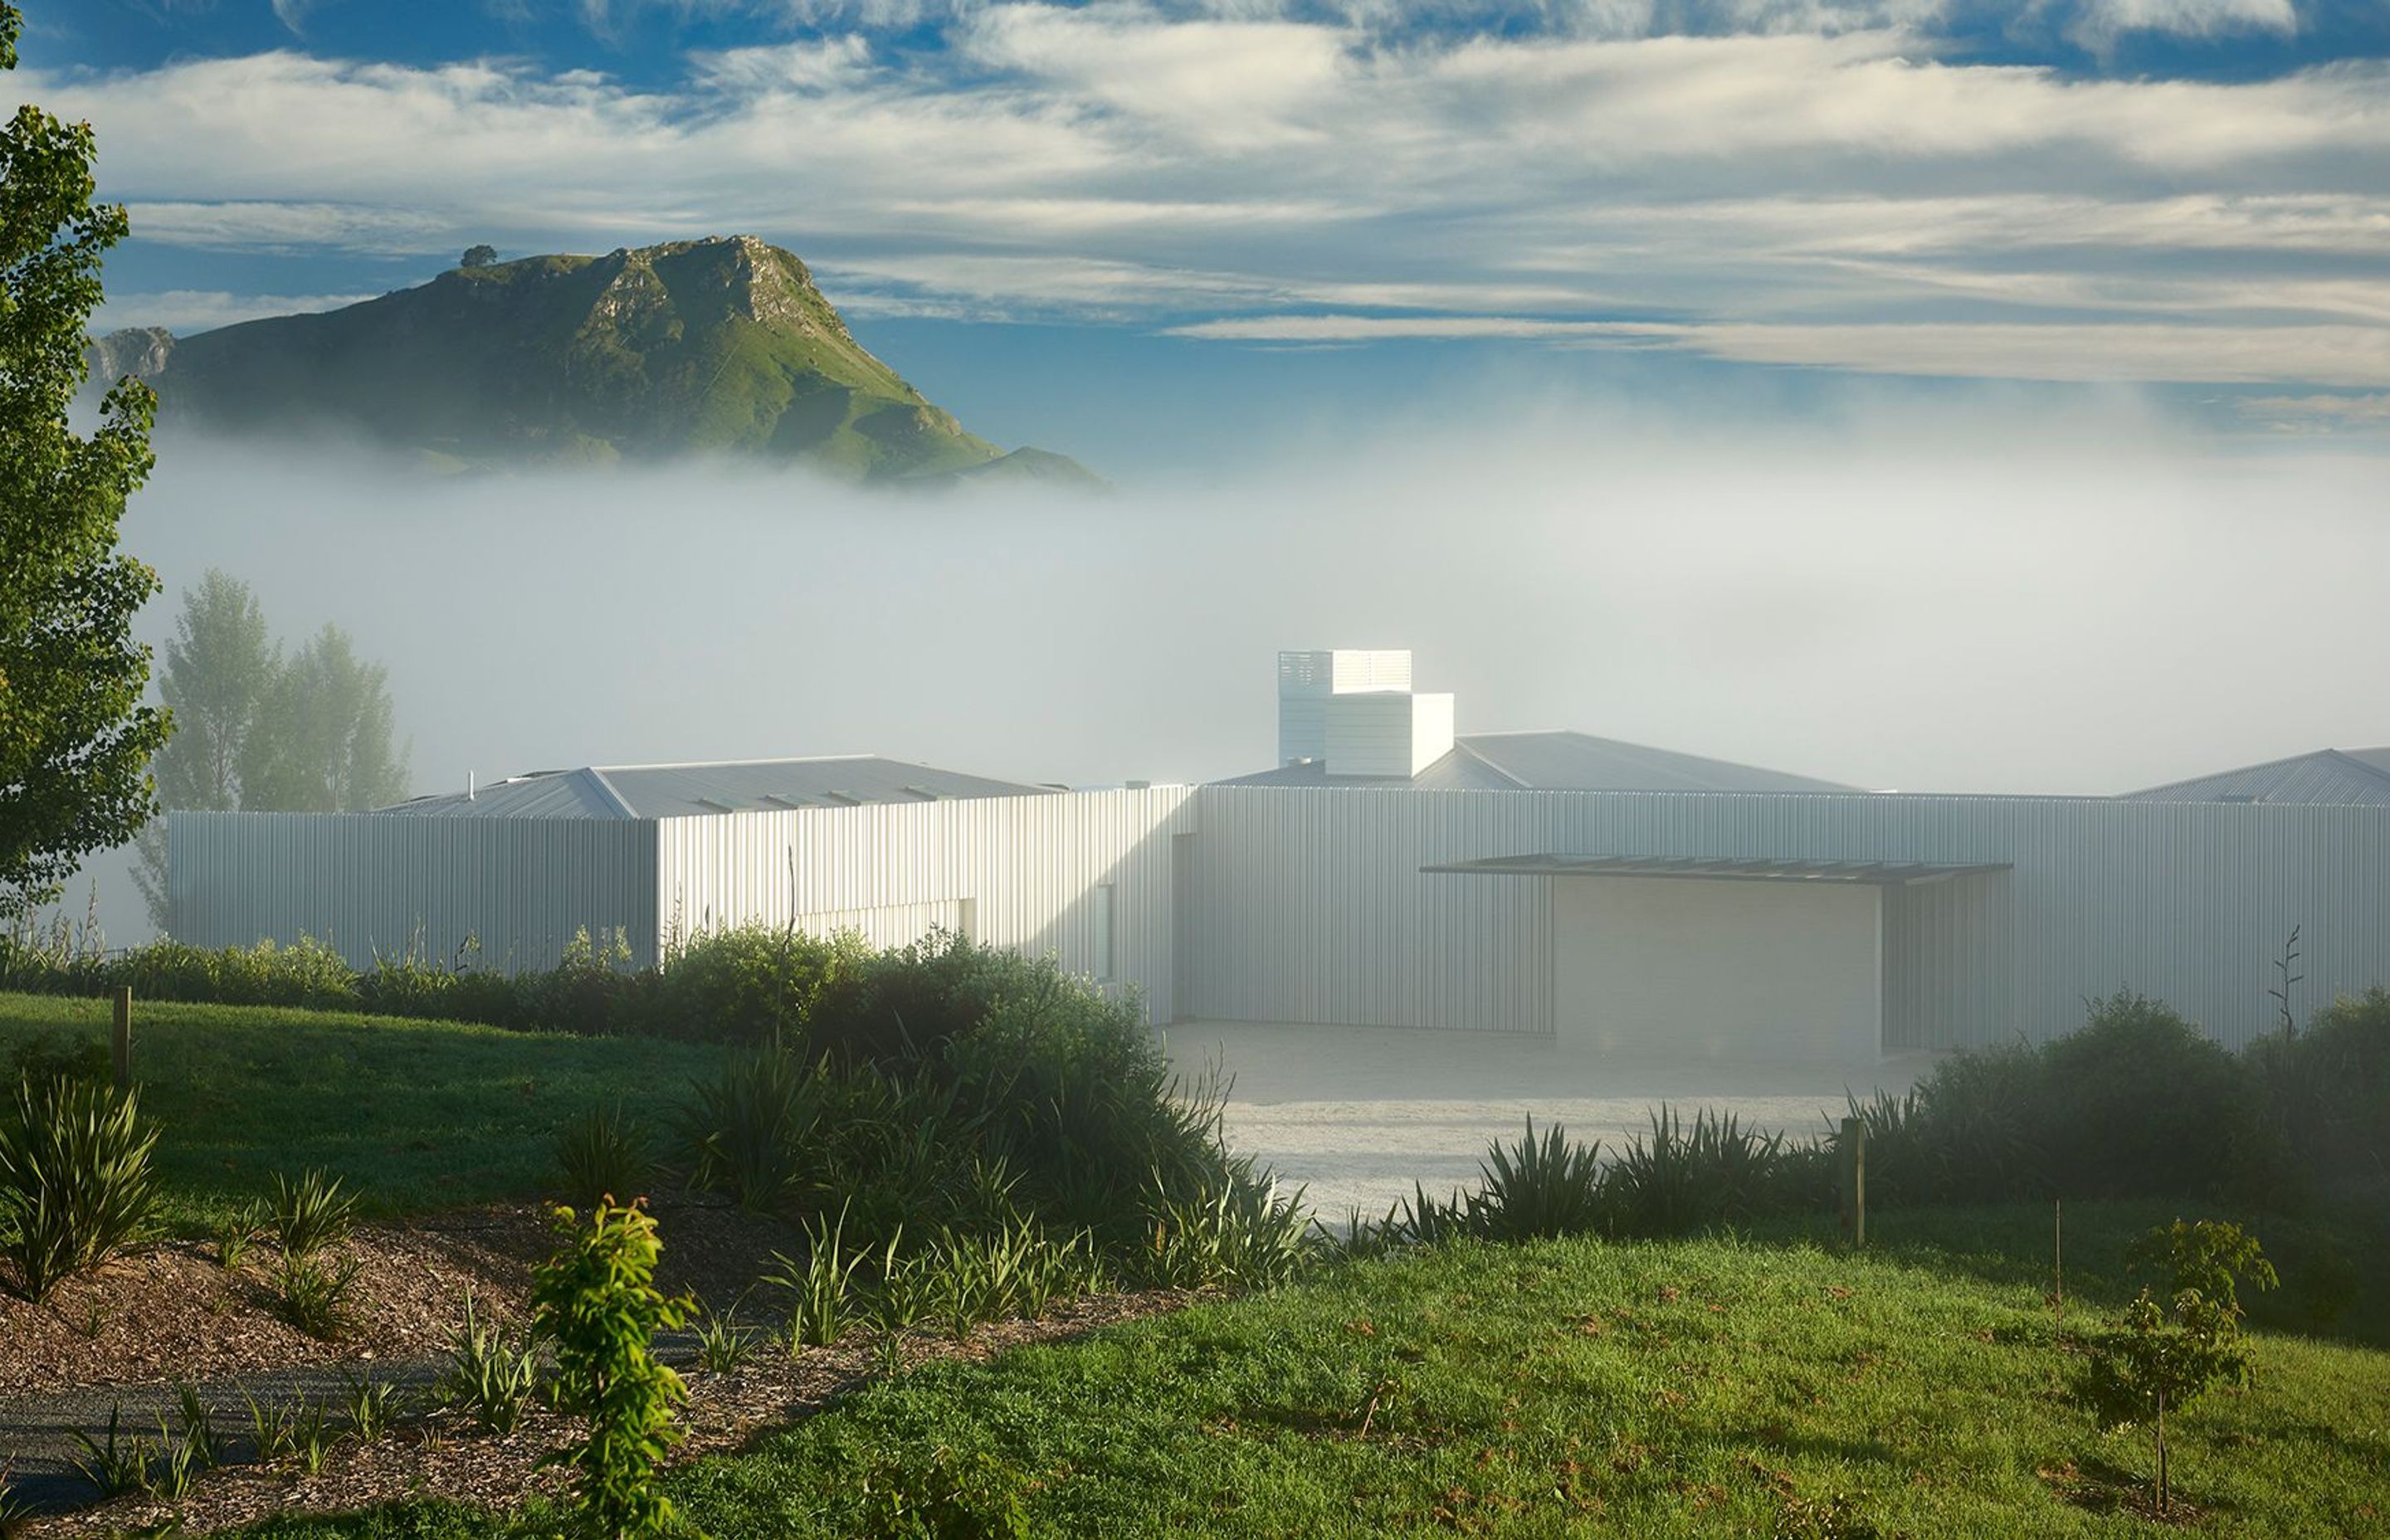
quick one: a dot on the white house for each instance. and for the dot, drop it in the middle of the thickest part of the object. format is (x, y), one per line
(1391, 872)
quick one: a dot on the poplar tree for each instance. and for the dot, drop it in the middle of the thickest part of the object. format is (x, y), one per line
(76, 740)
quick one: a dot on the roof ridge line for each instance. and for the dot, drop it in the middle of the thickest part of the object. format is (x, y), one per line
(2346, 758)
(724, 764)
(608, 787)
(1489, 764)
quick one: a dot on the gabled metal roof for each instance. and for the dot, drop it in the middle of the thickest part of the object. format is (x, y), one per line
(690, 790)
(1560, 761)
(2328, 775)
(1884, 873)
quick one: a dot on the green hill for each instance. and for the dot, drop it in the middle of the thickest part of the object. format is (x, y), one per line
(715, 346)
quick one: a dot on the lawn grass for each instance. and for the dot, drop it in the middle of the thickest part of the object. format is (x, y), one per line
(1705, 1387)
(2334, 1263)
(413, 1115)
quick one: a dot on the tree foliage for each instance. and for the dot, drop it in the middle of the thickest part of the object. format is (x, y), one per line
(596, 1300)
(324, 738)
(76, 740)
(2160, 1356)
(314, 731)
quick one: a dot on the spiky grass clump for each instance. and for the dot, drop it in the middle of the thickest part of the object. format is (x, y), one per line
(1540, 1188)
(491, 1373)
(310, 1214)
(76, 1186)
(1236, 1231)
(1683, 1180)
(604, 1154)
(748, 1132)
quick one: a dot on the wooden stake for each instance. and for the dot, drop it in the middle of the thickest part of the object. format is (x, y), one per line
(2058, 1259)
(1854, 1151)
(123, 1043)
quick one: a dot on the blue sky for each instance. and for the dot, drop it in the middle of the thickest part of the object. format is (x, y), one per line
(1145, 232)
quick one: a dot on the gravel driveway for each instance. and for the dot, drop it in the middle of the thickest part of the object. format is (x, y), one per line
(1356, 1114)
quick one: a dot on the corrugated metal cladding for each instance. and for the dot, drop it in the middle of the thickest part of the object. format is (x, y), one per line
(1269, 904)
(1026, 869)
(370, 884)
(1309, 905)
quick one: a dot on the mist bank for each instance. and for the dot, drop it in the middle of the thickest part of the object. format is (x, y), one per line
(1989, 599)
(2018, 606)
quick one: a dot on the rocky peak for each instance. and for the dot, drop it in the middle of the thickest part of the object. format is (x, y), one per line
(141, 352)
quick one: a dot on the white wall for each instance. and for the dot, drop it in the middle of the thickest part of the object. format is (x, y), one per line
(1309, 903)
(375, 883)
(1767, 971)
(1020, 872)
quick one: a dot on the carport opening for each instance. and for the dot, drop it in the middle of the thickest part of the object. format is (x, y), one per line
(1763, 961)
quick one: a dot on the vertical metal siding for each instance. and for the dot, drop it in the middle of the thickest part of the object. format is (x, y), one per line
(1028, 867)
(1310, 905)
(368, 884)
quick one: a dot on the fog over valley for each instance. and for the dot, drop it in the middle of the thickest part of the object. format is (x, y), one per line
(1938, 600)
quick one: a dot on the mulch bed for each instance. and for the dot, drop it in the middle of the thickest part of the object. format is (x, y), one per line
(172, 1311)
(443, 1458)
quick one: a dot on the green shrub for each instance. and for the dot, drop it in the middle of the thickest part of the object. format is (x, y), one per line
(199, 1436)
(1982, 1117)
(75, 1181)
(373, 1406)
(307, 972)
(1538, 1189)
(592, 989)
(2327, 1096)
(752, 984)
(2137, 1104)
(604, 1153)
(2207, 1255)
(596, 1300)
(722, 1345)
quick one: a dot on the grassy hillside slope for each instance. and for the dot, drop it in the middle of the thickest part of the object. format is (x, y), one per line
(413, 1115)
(1692, 1388)
(721, 345)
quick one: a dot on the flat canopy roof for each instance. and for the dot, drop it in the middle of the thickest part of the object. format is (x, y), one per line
(1733, 869)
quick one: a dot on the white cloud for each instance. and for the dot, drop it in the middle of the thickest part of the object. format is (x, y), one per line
(2100, 23)
(2347, 355)
(1117, 161)
(265, 226)
(291, 13)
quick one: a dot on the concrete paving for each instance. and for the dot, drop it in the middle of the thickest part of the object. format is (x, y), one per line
(1356, 1114)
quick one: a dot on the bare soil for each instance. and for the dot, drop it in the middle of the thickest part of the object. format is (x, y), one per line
(441, 1456)
(173, 1312)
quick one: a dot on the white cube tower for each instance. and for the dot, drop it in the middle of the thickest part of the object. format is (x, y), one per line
(1354, 709)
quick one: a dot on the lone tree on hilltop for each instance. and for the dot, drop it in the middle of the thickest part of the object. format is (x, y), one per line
(479, 256)
(76, 740)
